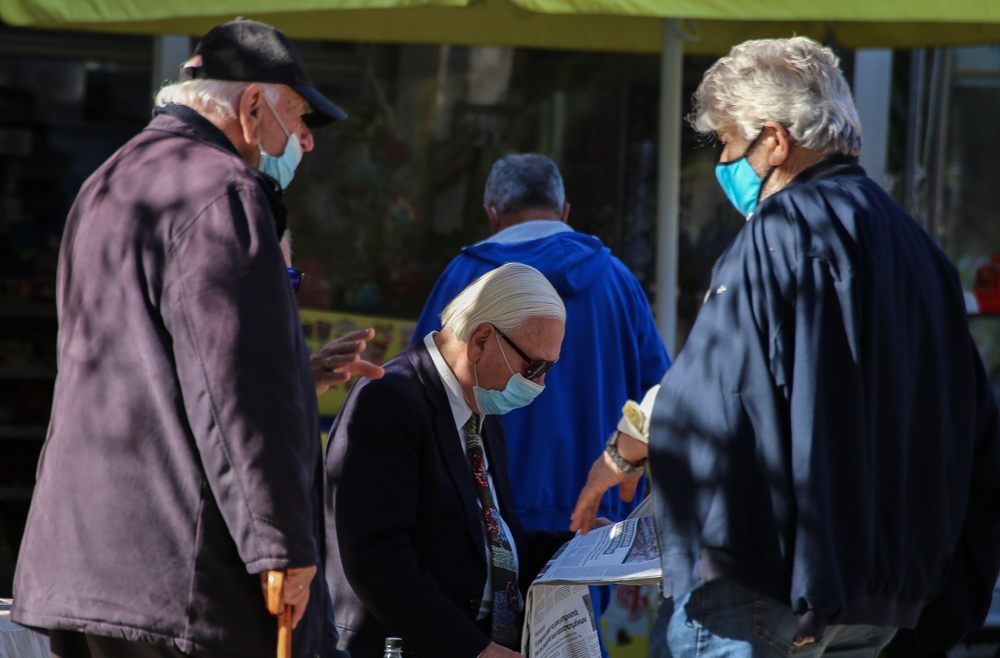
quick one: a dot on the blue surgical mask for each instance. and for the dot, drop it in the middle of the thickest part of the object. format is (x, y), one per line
(281, 168)
(518, 393)
(740, 182)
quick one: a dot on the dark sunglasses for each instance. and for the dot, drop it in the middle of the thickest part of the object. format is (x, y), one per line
(295, 277)
(537, 367)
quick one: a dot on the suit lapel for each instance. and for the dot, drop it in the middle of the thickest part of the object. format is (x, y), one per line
(448, 442)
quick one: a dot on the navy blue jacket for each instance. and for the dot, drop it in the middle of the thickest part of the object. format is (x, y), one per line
(828, 436)
(612, 352)
(183, 453)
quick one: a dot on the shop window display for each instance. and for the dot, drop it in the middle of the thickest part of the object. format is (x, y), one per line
(59, 120)
(964, 213)
(390, 196)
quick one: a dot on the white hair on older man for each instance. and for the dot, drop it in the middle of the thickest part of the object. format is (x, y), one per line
(522, 181)
(212, 98)
(795, 82)
(505, 297)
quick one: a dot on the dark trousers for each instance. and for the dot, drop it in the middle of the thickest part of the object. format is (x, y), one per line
(72, 644)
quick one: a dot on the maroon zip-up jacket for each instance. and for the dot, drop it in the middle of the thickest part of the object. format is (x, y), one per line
(182, 454)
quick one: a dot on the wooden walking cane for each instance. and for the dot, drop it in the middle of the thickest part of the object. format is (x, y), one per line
(276, 606)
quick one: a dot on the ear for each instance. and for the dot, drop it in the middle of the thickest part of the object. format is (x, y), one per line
(491, 212)
(477, 341)
(565, 214)
(781, 144)
(249, 111)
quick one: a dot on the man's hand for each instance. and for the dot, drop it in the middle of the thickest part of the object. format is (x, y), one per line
(338, 361)
(604, 474)
(494, 650)
(296, 590)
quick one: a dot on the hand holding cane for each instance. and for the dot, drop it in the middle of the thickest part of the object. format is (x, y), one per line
(276, 606)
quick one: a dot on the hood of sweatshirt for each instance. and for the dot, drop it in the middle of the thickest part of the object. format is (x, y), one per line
(571, 261)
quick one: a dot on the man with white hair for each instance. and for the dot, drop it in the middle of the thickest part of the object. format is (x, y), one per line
(423, 541)
(825, 448)
(182, 457)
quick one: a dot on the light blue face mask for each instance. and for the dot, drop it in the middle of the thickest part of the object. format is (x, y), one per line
(518, 393)
(740, 182)
(281, 168)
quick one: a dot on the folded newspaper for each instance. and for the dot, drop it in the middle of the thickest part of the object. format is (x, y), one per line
(559, 618)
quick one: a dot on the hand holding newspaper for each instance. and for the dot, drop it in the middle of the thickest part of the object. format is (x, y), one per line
(559, 618)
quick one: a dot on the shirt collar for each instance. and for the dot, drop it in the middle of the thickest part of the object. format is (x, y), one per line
(534, 229)
(456, 399)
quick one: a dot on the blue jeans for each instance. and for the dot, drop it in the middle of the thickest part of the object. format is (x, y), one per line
(724, 620)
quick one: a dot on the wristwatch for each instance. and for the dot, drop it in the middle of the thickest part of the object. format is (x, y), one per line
(611, 447)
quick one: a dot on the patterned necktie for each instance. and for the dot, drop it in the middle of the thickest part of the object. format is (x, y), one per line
(506, 629)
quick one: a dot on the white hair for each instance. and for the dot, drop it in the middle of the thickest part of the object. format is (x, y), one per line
(505, 297)
(212, 98)
(795, 82)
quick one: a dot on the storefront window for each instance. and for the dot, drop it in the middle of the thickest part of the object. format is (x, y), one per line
(970, 232)
(66, 104)
(390, 197)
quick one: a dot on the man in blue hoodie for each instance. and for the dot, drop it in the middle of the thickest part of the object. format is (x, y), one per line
(612, 351)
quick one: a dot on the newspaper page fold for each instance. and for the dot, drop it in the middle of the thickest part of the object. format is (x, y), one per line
(559, 617)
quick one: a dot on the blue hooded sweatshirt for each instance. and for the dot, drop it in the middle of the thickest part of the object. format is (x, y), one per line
(612, 352)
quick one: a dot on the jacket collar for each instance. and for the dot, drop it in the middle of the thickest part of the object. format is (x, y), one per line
(829, 167)
(196, 126)
(182, 120)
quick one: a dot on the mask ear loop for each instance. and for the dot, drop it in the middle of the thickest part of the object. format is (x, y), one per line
(767, 176)
(502, 353)
(753, 142)
(275, 112)
(763, 182)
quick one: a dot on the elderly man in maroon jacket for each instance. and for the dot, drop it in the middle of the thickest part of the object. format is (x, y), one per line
(182, 455)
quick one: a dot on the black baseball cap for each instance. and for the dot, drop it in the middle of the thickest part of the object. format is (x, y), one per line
(248, 51)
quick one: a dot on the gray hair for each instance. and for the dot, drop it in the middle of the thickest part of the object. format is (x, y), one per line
(212, 98)
(506, 297)
(528, 180)
(795, 82)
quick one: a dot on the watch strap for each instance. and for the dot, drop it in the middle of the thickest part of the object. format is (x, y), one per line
(611, 447)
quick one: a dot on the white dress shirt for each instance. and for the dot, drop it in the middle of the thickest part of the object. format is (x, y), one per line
(461, 411)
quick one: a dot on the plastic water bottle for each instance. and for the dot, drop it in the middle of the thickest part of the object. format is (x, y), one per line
(393, 647)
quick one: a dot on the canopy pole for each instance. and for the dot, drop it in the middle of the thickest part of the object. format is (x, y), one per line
(169, 53)
(872, 90)
(669, 184)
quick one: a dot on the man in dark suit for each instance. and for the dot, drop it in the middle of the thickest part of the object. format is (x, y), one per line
(422, 538)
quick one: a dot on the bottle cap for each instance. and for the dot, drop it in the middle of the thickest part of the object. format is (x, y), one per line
(393, 643)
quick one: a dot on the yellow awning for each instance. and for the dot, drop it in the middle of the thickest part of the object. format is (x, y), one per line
(596, 25)
(958, 11)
